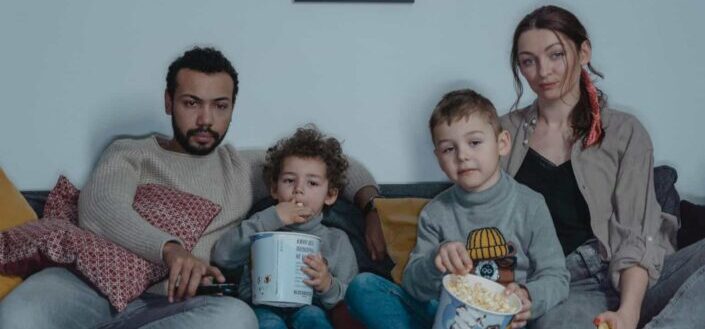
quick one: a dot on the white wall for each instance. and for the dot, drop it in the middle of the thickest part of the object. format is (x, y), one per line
(74, 74)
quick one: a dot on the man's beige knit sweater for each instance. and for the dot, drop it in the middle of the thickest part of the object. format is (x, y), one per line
(227, 177)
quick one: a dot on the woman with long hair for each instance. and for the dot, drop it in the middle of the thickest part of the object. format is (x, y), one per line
(594, 166)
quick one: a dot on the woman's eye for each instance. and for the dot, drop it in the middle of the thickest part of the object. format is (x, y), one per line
(526, 62)
(287, 180)
(557, 55)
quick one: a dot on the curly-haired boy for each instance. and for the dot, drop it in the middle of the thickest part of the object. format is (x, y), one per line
(305, 173)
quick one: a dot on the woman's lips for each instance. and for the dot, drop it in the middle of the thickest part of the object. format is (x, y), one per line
(550, 85)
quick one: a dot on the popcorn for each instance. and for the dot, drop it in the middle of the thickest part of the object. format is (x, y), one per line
(479, 296)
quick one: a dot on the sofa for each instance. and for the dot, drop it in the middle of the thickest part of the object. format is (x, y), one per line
(347, 217)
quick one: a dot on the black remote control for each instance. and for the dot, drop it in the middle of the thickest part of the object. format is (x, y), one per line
(227, 289)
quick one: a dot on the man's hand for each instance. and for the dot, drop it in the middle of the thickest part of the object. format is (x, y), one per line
(317, 271)
(524, 314)
(186, 272)
(293, 212)
(374, 238)
(453, 257)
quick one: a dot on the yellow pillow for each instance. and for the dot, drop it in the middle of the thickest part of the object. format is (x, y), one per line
(14, 211)
(399, 218)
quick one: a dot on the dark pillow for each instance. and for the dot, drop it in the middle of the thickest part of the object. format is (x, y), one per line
(692, 224)
(665, 178)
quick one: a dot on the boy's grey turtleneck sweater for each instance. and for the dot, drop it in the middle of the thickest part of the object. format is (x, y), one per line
(233, 250)
(518, 212)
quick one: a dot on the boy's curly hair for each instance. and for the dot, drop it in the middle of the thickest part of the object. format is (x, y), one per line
(308, 142)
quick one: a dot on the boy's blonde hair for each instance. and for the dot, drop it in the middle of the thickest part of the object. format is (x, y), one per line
(460, 104)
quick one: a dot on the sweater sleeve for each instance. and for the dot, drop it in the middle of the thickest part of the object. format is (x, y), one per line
(105, 204)
(421, 278)
(358, 176)
(233, 248)
(342, 272)
(548, 283)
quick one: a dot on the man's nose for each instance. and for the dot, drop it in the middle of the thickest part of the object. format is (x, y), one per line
(205, 117)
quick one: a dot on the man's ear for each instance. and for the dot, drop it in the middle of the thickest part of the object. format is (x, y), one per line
(168, 103)
(331, 196)
(504, 141)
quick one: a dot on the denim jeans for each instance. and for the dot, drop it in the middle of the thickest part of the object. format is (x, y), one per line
(382, 304)
(56, 298)
(306, 317)
(675, 301)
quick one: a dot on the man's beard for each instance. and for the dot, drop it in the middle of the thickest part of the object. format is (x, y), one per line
(183, 139)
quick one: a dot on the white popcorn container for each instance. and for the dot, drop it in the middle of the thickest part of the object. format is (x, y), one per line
(277, 258)
(453, 313)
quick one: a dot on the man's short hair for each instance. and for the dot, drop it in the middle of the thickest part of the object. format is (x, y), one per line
(207, 60)
(460, 104)
(308, 143)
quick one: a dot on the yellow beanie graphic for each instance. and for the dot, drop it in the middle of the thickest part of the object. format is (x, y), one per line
(492, 255)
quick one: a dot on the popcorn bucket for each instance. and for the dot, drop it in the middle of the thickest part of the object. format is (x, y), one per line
(456, 311)
(277, 258)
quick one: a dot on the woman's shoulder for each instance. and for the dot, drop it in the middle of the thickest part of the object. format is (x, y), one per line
(622, 125)
(514, 118)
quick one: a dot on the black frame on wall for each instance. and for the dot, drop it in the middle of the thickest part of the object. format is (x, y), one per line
(399, 1)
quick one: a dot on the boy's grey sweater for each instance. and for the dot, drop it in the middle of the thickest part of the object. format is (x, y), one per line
(522, 217)
(233, 250)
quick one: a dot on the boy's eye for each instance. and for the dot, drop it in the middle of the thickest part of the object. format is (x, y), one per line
(447, 149)
(312, 183)
(475, 143)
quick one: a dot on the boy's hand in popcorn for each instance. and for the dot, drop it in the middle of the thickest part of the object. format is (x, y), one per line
(524, 314)
(317, 271)
(453, 258)
(293, 212)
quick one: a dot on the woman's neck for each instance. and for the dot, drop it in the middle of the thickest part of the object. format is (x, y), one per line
(556, 113)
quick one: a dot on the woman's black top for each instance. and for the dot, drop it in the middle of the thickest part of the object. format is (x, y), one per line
(566, 204)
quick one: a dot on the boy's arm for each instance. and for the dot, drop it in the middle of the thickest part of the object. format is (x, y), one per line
(105, 204)
(233, 248)
(421, 278)
(341, 273)
(548, 283)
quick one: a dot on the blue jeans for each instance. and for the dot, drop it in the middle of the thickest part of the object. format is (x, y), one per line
(306, 317)
(382, 304)
(675, 301)
(55, 298)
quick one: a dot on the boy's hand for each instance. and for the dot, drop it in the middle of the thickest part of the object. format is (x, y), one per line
(453, 257)
(524, 314)
(293, 212)
(317, 271)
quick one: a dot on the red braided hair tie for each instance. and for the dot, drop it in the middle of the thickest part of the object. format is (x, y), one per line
(595, 132)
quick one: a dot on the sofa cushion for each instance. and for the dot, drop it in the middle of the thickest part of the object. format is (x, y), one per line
(14, 211)
(114, 271)
(692, 224)
(399, 217)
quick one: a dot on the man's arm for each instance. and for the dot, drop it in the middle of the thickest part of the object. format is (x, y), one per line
(105, 204)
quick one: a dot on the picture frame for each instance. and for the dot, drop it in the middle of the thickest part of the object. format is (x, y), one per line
(365, 1)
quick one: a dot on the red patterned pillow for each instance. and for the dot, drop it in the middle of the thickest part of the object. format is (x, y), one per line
(114, 271)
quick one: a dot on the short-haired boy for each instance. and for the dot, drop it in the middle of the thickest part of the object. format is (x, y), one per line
(486, 224)
(305, 172)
